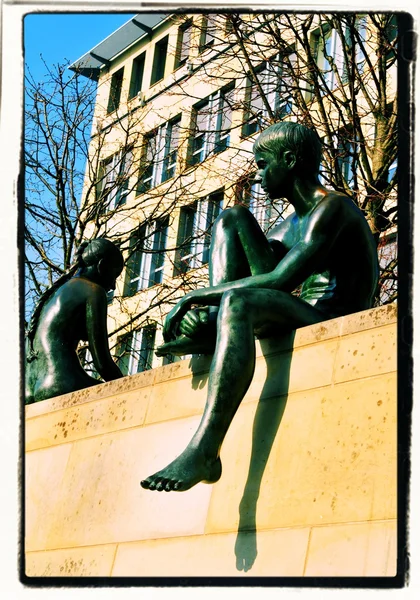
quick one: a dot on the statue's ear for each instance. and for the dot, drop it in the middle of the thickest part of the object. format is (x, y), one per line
(101, 267)
(289, 158)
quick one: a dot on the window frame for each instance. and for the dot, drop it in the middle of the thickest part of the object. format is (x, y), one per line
(336, 52)
(194, 236)
(148, 258)
(272, 71)
(159, 61)
(130, 348)
(215, 138)
(348, 163)
(120, 166)
(162, 165)
(137, 75)
(114, 98)
(263, 209)
(341, 158)
(86, 362)
(181, 60)
(208, 33)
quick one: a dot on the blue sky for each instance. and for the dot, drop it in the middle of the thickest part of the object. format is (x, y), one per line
(63, 37)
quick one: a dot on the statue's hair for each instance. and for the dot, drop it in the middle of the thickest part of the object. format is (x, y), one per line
(88, 253)
(303, 142)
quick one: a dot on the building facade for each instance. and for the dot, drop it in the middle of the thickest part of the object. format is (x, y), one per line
(180, 101)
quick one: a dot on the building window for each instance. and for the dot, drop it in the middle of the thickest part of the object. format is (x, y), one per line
(137, 73)
(212, 120)
(159, 60)
(361, 26)
(170, 151)
(267, 213)
(388, 260)
(86, 360)
(115, 91)
(112, 188)
(276, 81)
(194, 233)
(183, 44)
(329, 53)
(159, 155)
(208, 32)
(147, 255)
(339, 165)
(135, 350)
(347, 153)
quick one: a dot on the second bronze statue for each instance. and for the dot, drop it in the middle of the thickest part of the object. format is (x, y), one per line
(325, 246)
(73, 309)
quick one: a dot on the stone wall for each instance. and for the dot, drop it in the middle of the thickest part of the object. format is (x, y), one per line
(309, 466)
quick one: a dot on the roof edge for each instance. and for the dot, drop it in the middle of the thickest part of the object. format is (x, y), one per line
(90, 64)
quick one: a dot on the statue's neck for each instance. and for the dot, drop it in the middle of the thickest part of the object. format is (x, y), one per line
(305, 195)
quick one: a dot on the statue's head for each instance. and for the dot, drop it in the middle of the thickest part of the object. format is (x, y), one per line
(102, 260)
(297, 146)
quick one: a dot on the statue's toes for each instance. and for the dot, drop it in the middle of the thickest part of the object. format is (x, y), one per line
(161, 484)
(145, 483)
(153, 483)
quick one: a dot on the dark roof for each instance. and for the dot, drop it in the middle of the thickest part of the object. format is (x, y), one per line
(135, 29)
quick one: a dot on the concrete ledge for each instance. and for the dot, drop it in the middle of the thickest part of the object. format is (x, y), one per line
(340, 327)
(309, 466)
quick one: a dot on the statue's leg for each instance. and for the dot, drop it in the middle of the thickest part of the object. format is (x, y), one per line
(238, 249)
(241, 312)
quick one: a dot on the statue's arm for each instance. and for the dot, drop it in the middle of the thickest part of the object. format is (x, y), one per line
(294, 268)
(96, 314)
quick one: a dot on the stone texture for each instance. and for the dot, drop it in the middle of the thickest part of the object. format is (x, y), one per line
(101, 500)
(91, 561)
(183, 397)
(310, 459)
(369, 319)
(272, 553)
(185, 368)
(306, 367)
(44, 472)
(86, 420)
(102, 390)
(347, 550)
(366, 353)
(320, 332)
(333, 451)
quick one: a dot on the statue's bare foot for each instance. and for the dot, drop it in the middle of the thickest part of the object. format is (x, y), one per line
(185, 345)
(191, 467)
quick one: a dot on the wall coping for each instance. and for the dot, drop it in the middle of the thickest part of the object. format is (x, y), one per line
(313, 334)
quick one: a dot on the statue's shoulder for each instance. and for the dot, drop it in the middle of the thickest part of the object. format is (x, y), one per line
(83, 287)
(338, 198)
(336, 203)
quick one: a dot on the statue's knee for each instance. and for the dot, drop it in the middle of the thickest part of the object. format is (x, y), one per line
(230, 217)
(233, 304)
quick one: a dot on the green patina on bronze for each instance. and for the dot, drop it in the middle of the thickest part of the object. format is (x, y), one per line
(73, 309)
(325, 246)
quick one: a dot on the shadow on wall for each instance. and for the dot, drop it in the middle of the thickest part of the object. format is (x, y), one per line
(268, 416)
(200, 365)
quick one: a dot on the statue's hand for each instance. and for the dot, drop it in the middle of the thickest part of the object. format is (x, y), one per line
(173, 319)
(194, 322)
